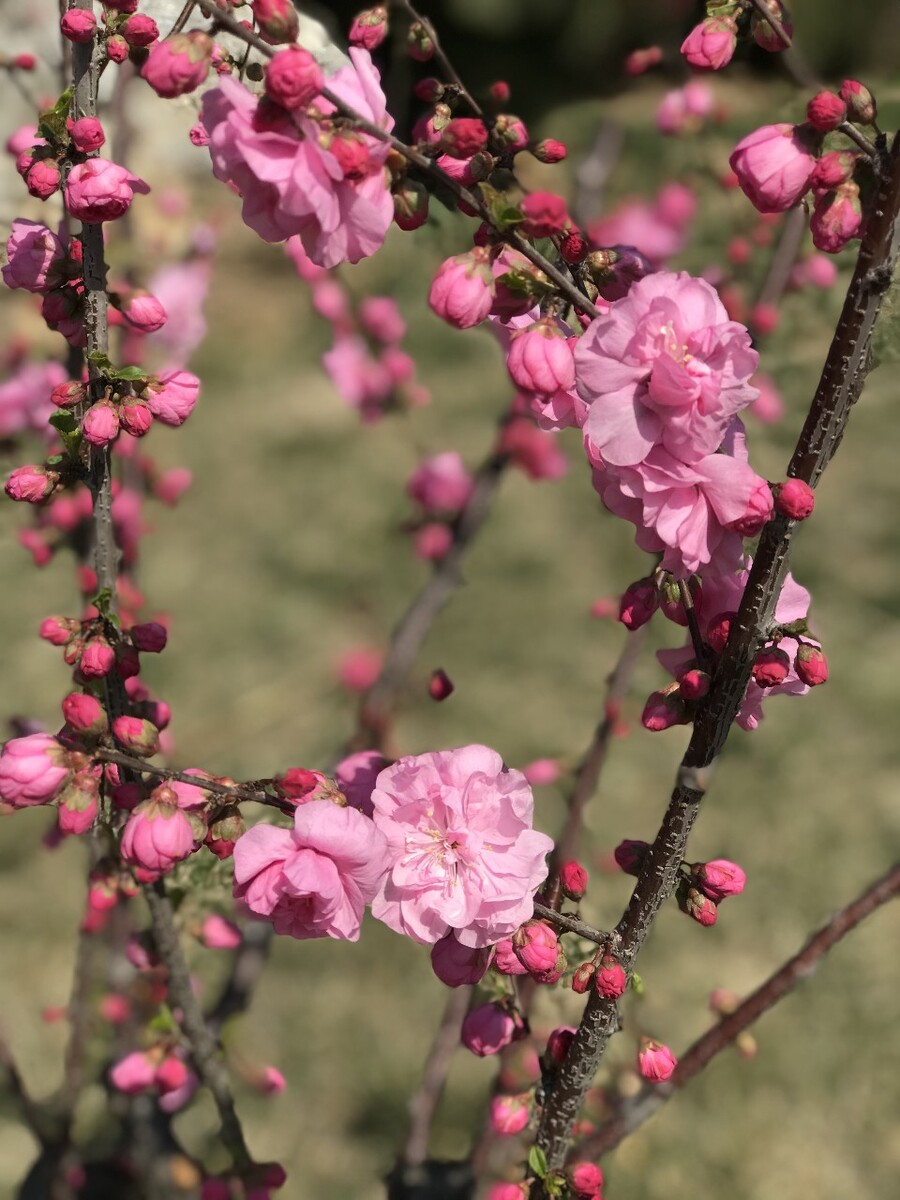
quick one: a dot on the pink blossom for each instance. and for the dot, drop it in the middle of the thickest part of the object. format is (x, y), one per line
(101, 424)
(610, 979)
(84, 714)
(290, 182)
(774, 166)
(368, 28)
(173, 396)
(356, 775)
(361, 380)
(465, 857)
(683, 109)
(359, 667)
(826, 111)
(441, 484)
(99, 190)
(178, 64)
(837, 217)
(43, 178)
(78, 25)
(33, 770)
(537, 946)
(457, 965)
(314, 880)
(586, 1180)
(720, 878)
(77, 804)
(174, 1099)
(540, 359)
(573, 879)
(811, 665)
(656, 1061)
(711, 44)
(218, 933)
(157, 835)
(293, 77)
(462, 291)
(506, 961)
(140, 30)
(181, 289)
(665, 367)
(134, 1073)
(510, 1114)
(656, 229)
(487, 1029)
(36, 257)
(532, 450)
(542, 771)
(277, 20)
(381, 319)
(32, 484)
(545, 214)
(87, 134)
(143, 311)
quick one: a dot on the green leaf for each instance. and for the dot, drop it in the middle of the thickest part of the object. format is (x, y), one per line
(537, 1161)
(52, 122)
(164, 1021)
(100, 360)
(503, 214)
(129, 374)
(64, 421)
(637, 984)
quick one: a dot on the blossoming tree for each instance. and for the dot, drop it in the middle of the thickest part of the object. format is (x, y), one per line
(650, 368)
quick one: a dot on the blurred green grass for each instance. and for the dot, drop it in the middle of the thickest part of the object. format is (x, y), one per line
(288, 549)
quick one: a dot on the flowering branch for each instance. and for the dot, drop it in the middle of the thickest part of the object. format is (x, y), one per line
(442, 59)
(842, 377)
(413, 627)
(724, 1033)
(570, 924)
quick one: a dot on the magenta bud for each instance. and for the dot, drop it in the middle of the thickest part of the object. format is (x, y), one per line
(664, 709)
(117, 48)
(860, 102)
(770, 667)
(57, 630)
(794, 499)
(440, 686)
(224, 832)
(549, 151)
(656, 1062)
(719, 879)
(573, 879)
(630, 855)
(277, 20)
(826, 111)
(718, 630)
(488, 1028)
(68, 394)
(699, 907)
(97, 658)
(78, 25)
(32, 484)
(410, 205)
(581, 980)
(694, 684)
(140, 30)
(558, 1043)
(811, 664)
(536, 946)
(77, 803)
(85, 714)
(610, 979)
(586, 1181)
(464, 136)
(369, 28)
(419, 42)
(639, 602)
(137, 736)
(150, 637)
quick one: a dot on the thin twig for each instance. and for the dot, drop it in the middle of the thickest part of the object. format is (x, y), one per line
(639, 1108)
(773, 22)
(842, 378)
(203, 1045)
(570, 924)
(413, 627)
(792, 233)
(442, 59)
(183, 17)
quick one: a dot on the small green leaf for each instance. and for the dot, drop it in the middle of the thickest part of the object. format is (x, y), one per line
(52, 122)
(537, 1161)
(164, 1021)
(129, 374)
(504, 215)
(64, 422)
(100, 360)
(637, 984)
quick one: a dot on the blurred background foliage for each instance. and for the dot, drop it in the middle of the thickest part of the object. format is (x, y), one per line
(288, 550)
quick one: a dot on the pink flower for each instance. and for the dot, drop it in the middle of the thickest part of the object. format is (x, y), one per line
(719, 879)
(536, 946)
(462, 291)
(837, 217)
(99, 190)
(140, 30)
(655, 229)
(656, 1061)
(683, 109)
(178, 64)
(134, 1073)
(532, 450)
(85, 714)
(540, 360)
(25, 401)
(36, 257)
(545, 213)
(358, 668)
(441, 484)
(290, 182)
(87, 134)
(157, 835)
(774, 166)
(172, 398)
(711, 44)
(368, 28)
(542, 771)
(277, 20)
(586, 1180)
(811, 665)
(43, 178)
(510, 1114)
(610, 979)
(314, 880)
(78, 25)
(826, 111)
(665, 367)
(487, 1029)
(33, 770)
(32, 484)
(464, 855)
(77, 804)
(218, 933)
(143, 311)
(356, 776)
(456, 964)
(573, 879)
(101, 424)
(293, 77)
(381, 319)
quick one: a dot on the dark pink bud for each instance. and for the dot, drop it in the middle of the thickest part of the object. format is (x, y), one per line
(117, 48)
(545, 213)
(586, 1180)
(500, 92)
(77, 803)
(143, 311)
(694, 684)
(833, 169)
(139, 30)
(770, 667)
(410, 206)
(719, 879)
(97, 658)
(860, 102)
(277, 20)
(664, 709)
(549, 151)
(420, 43)
(179, 63)
(837, 217)
(509, 132)
(135, 417)
(101, 424)
(581, 980)
(794, 499)
(558, 1043)
(630, 855)
(700, 907)
(573, 879)
(826, 111)
(440, 686)
(464, 136)
(488, 1028)
(457, 965)
(57, 630)
(718, 630)
(711, 44)
(85, 714)
(293, 78)
(151, 637)
(811, 664)
(86, 133)
(428, 90)
(536, 946)
(369, 28)
(171, 1074)
(223, 833)
(136, 736)
(32, 484)
(639, 602)
(43, 177)
(610, 979)
(78, 25)
(656, 1061)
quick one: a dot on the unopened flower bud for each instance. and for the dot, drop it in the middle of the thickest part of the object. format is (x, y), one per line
(664, 709)
(78, 25)
(770, 667)
(293, 78)
(833, 169)
(718, 630)
(97, 658)
(826, 111)
(32, 484)
(581, 980)
(85, 714)
(811, 664)
(117, 48)
(764, 34)
(630, 855)
(277, 20)
(135, 417)
(429, 90)
(536, 946)
(837, 218)
(440, 686)
(711, 44)
(586, 1181)
(150, 637)
(369, 28)
(101, 424)
(488, 1028)
(694, 684)
(410, 206)
(610, 979)
(719, 879)
(419, 42)
(136, 735)
(139, 30)
(43, 177)
(558, 1043)
(86, 133)
(700, 907)
(860, 102)
(509, 1114)
(224, 832)
(639, 602)
(573, 880)
(77, 803)
(544, 213)
(509, 132)
(549, 151)
(464, 136)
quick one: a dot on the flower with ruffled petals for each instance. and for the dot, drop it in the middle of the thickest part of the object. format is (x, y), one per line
(33, 770)
(98, 190)
(172, 397)
(464, 855)
(774, 166)
(36, 257)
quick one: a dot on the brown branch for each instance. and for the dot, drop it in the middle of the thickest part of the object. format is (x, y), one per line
(792, 233)
(724, 1033)
(204, 1048)
(841, 381)
(569, 924)
(183, 17)
(773, 22)
(413, 627)
(442, 60)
